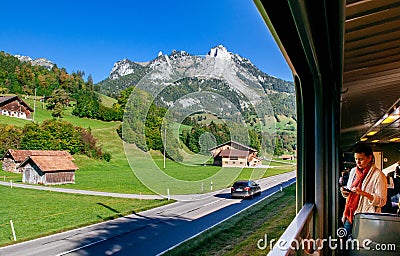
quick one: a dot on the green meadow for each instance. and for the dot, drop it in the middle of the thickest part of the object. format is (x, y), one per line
(36, 213)
(39, 213)
(117, 175)
(107, 101)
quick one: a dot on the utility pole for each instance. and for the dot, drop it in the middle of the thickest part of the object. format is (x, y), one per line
(165, 142)
(34, 107)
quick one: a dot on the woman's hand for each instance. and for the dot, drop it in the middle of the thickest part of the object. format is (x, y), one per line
(362, 193)
(345, 192)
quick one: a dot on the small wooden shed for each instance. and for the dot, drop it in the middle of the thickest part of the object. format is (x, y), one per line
(48, 170)
(13, 157)
(287, 157)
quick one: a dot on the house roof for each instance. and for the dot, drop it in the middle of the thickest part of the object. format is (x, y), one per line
(232, 143)
(233, 153)
(21, 155)
(7, 99)
(51, 163)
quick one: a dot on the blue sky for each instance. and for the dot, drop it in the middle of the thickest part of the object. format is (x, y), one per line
(92, 35)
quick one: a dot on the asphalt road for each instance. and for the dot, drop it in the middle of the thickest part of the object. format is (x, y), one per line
(150, 232)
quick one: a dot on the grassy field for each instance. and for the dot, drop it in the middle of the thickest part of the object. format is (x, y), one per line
(286, 123)
(38, 213)
(99, 175)
(107, 101)
(206, 118)
(239, 235)
(117, 175)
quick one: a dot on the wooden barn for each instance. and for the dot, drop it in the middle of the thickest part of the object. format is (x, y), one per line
(13, 158)
(48, 170)
(235, 154)
(14, 106)
(287, 157)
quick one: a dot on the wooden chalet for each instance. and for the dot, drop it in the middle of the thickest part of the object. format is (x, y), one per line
(13, 158)
(48, 170)
(234, 154)
(14, 106)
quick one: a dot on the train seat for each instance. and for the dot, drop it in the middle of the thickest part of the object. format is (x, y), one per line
(377, 234)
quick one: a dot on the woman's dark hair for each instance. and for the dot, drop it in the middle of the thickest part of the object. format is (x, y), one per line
(363, 148)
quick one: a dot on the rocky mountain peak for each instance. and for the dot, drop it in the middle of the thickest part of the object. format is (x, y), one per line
(240, 73)
(125, 67)
(122, 68)
(179, 53)
(219, 52)
(36, 62)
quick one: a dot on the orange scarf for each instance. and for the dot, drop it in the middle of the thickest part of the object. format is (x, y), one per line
(354, 198)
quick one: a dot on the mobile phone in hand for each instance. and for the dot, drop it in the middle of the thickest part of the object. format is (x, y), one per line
(346, 189)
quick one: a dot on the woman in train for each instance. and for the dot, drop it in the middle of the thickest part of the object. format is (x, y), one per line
(366, 188)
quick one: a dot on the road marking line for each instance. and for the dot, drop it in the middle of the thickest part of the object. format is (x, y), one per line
(86, 245)
(199, 233)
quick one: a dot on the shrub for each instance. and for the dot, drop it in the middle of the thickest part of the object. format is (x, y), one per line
(107, 156)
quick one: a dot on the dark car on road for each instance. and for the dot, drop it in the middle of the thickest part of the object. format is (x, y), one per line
(245, 188)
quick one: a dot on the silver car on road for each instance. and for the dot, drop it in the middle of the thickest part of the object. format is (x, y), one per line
(245, 189)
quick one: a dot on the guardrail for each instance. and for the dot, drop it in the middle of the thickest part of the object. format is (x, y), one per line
(298, 230)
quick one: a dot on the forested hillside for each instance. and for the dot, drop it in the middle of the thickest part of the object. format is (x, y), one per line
(20, 77)
(51, 135)
(55, 85)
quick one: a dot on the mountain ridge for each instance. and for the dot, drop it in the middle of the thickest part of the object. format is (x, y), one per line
(231, 69)
(43, 62)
